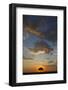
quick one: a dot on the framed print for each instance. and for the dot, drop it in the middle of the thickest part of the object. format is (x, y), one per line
(37, 44)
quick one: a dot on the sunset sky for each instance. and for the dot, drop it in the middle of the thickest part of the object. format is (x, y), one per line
(40, 40)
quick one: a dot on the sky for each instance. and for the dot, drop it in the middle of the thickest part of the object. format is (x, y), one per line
(40, 35)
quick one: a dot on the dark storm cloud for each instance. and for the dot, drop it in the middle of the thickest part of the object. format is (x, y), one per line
(52, 36)
(47, 25)
(40, 44)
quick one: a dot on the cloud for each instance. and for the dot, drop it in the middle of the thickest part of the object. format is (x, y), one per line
(38, 53)
(27, 53)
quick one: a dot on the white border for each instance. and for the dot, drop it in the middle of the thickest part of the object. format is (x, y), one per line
(19, 45)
